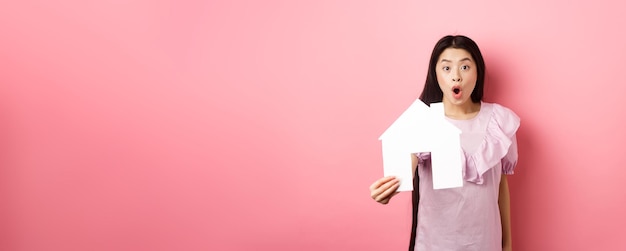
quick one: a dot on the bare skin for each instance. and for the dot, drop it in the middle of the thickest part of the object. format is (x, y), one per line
(504, 203)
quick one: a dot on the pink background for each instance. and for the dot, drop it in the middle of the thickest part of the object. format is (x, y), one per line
(253, 125)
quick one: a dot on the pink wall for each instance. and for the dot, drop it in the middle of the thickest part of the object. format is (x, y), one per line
(253, 125)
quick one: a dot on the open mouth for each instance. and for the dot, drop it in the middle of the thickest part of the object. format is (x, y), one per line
(457, 92)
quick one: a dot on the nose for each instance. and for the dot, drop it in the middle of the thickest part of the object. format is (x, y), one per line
(456, 77)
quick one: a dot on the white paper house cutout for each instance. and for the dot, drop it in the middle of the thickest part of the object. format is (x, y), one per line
(423, 129)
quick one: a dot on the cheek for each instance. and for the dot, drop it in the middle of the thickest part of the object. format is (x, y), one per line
(471, 78)
(441, 78)
(473, 75)
(442, 83)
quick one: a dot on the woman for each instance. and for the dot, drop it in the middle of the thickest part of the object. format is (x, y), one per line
(477, 215)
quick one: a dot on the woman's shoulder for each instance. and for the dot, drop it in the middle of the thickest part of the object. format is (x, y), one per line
(504, 117)
(500, 111)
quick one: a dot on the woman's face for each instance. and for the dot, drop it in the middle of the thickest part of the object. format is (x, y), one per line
(456, 74)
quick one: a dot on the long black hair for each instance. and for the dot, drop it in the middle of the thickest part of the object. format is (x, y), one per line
(432, 94)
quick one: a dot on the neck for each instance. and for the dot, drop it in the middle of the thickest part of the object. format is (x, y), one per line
(465, 110)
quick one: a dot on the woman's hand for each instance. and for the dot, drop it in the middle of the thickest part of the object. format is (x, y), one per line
(383, 189)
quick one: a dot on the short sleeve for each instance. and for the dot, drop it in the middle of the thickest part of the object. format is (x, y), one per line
(509, 162)
(508, 122)
(498, 147)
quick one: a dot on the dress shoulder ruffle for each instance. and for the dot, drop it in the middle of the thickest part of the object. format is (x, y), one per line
(500, 135)
(493, 149)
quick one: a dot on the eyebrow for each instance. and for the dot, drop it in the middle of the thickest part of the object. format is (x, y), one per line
(464, 59)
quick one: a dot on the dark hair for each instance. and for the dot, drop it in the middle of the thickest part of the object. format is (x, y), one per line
(432, 93)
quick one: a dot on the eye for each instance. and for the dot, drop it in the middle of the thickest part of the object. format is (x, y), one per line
(465, 67)
(445, 68)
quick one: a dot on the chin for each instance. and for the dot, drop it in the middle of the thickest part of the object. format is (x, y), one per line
(460, 101)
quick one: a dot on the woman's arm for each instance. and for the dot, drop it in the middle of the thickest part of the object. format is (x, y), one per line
(505, 213)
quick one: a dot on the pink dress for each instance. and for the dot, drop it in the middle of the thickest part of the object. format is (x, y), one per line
(468, 218)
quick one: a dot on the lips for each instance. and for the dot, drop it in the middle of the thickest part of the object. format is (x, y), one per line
(457, 92)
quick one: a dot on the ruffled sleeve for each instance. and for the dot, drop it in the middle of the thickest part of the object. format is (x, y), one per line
(510, 160)
(498, 147)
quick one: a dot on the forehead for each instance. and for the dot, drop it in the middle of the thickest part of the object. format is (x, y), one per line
(454, 55)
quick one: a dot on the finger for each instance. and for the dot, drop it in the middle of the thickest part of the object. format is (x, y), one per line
(394, 194)
(386, 200)
(387, 194)
(375, 192)
(388, 190)
(381, 181)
